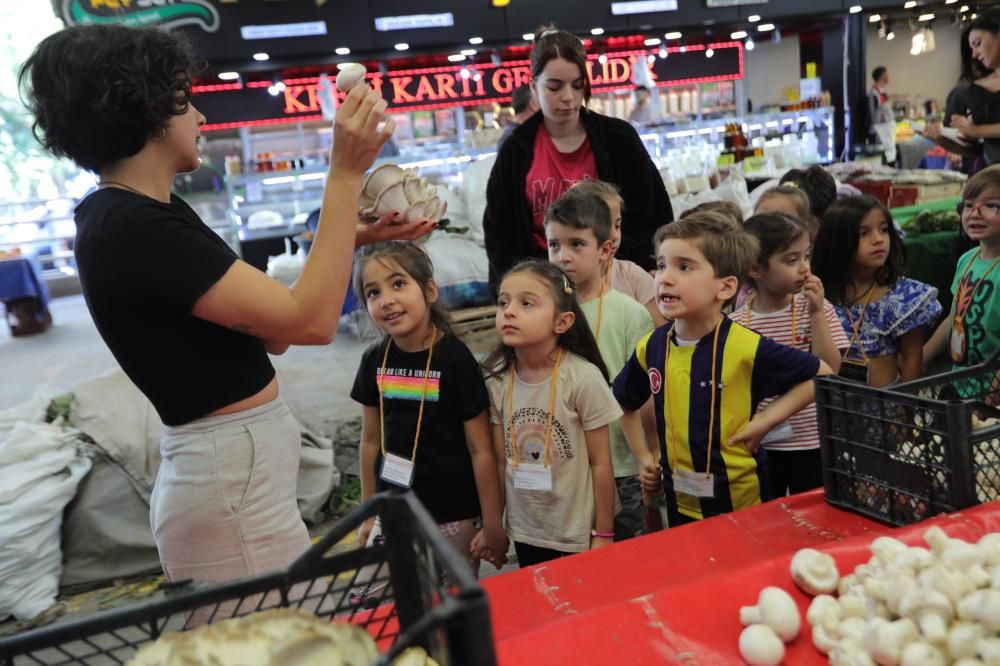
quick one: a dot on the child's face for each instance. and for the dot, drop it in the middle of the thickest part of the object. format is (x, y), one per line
(576, 251)
(786, 270)
(776, 203)
(874, 241)
(686, 286)
(981, 217)
(395, 301)
(614, 205)
(526, 311)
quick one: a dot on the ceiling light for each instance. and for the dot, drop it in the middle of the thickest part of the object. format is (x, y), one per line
(468, 52)
(765, 27)
(652, 41)
(464, 73)
(673, 35)
(889, 36)
(950, 2)
(261, 57)
(709, 52)
(342, 50)
(754, 18)
(663, 52)
(874, 18)
(402, 46)
(456, 57)
(855, 9)
(475, 40)
(739, 34)
(909, 4)
(926, 17)
(273, 91)
(750, 45)
(280, 86)
(229, 76)
(973, 16)
(651, 58)
(602, 58)
(528, 36)
(597, 31)
(963, 9)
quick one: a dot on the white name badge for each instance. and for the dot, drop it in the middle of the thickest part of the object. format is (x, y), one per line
(697, 484)
(780, 433)
(533, 477)
(397, 470)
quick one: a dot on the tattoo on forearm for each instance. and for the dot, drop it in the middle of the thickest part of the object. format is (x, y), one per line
(242, 328)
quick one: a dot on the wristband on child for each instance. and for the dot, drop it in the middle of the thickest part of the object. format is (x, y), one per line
(602, 535)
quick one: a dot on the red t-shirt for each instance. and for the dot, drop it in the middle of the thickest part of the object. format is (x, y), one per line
(551, 174)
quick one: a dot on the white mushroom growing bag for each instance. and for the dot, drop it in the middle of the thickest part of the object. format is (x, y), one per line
(40, 468)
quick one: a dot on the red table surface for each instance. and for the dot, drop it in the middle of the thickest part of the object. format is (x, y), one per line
(674, 597)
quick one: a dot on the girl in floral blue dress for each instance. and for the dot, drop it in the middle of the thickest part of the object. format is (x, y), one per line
(859, 256)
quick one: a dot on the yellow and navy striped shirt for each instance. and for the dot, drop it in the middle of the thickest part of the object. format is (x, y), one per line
(749, 368)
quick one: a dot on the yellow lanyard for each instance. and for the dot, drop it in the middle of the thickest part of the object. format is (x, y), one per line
(856, 328)
(600, 313)
(795, 318)
(959, 318)
(711, 413)
(423, 395)
(553, 380)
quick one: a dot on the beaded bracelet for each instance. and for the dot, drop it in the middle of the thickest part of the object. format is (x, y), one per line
(602, 535)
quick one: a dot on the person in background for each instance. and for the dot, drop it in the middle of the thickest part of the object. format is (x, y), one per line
(818, 185)
(881, 121)
(525, 105)
(188, 321)
(550, 410)
(788, 306)
(860, 258)
(788, 199)
(578, 228)
(643, 111)
(562, 145)
(708, 375)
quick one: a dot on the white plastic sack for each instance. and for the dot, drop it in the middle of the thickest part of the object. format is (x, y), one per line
(474, 180)
(40, 468)
(733, 189)
(287, 267)
(461, 270)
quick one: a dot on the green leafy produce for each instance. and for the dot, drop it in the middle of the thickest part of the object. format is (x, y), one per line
(934, 220)
(59, 408)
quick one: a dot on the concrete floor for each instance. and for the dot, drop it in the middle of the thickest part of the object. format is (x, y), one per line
(315, 381)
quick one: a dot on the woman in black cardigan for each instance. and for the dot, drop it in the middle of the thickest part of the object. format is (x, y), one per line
(558, 146)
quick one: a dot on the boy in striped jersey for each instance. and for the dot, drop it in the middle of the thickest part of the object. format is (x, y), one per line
(708, 374)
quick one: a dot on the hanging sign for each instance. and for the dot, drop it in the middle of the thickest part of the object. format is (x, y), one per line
(139, 13)
(235, 105)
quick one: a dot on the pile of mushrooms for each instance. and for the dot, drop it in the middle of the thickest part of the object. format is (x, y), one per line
(907, 606)
(389, 188)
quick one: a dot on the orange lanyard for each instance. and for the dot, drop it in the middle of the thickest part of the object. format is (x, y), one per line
(856, 327)
(423, 395)
(711, 413)
(600, 313)
(554, 381)
(795, 318)
(959, 318)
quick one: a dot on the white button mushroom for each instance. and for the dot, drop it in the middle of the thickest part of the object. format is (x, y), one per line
(900, 585)
(967, 608)
(885, 640)
(962, 639)
(850, 652)
(968, 661)
(922, 654)
(350, 75)
(823, 606)
(760, 646)
(823, 638)
(988, 612)
(814, 572)
(952, 584)
(988, 650)
(937, 540)
(932, 612)
(887, 549)
(989, 546)
(776, 609)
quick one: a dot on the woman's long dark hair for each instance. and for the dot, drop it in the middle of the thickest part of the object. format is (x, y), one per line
(413, 259)
(837, 243)
(577, 339)
(987, 21)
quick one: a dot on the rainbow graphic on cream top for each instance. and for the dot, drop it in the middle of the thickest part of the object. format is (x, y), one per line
(408, 384)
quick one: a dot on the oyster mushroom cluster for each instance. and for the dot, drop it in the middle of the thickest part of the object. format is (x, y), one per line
(389, 188)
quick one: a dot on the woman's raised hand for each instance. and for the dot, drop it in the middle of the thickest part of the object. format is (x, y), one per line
(357, 138)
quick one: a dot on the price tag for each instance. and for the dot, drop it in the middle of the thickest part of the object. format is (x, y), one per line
(779, 433)
(533, 477)
(697, 484)
(397, 470)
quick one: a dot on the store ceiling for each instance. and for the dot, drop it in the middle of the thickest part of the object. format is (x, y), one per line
(228, 33)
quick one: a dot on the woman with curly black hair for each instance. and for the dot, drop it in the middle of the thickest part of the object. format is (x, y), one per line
(189, 322)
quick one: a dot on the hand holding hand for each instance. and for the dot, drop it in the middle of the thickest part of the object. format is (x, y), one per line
(651, 477)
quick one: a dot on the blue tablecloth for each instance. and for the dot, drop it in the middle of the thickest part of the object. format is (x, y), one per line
(21, 277)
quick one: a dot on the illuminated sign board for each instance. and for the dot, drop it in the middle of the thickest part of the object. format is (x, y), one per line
(414, 22)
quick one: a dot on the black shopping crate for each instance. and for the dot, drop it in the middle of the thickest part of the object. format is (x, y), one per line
(903, 453)
(423, 593)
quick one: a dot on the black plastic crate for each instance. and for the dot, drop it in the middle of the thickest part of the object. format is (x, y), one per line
(423, 594)
(903, 453)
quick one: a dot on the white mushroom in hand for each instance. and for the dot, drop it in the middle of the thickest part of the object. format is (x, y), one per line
(776, 609)
(814, 572)
(760, 646)
(350, 75)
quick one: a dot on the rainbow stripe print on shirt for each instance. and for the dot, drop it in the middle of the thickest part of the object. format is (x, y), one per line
(408, 384)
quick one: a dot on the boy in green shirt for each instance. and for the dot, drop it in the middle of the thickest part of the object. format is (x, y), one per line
(578, 231)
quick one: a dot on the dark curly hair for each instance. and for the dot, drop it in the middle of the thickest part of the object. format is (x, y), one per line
(100, 92)
(987, 21)
(819, 186)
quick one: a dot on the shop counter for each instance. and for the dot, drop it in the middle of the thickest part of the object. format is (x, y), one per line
(674, 596)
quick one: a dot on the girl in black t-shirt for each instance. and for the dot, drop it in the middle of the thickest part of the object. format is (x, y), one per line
(425, 420)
